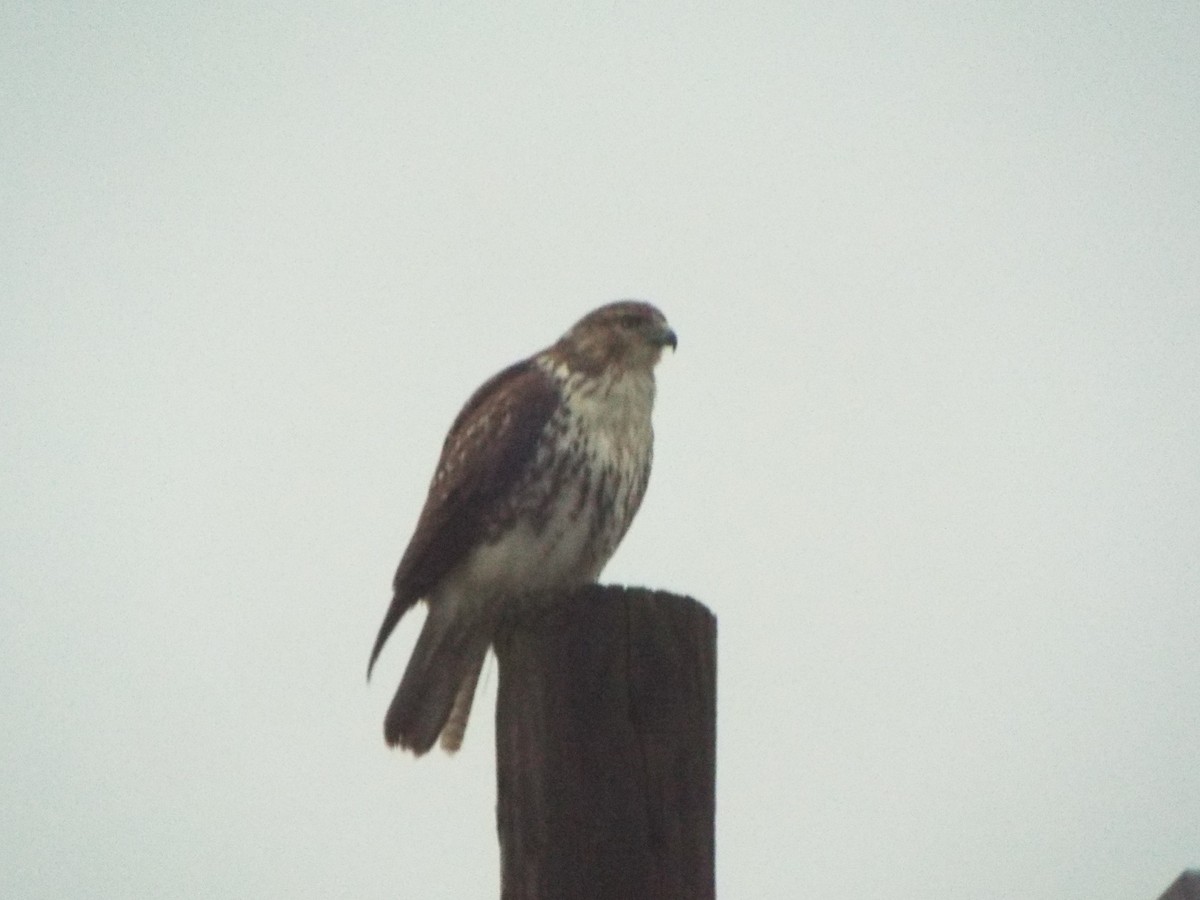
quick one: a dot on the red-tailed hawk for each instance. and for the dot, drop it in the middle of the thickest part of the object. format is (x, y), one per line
(538, 481)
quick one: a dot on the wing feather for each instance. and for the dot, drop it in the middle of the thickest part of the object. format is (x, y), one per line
(491, 441)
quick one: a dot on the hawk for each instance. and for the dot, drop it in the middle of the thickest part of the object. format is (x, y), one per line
(539, 479)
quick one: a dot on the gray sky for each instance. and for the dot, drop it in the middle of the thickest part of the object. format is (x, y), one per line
(930, 447)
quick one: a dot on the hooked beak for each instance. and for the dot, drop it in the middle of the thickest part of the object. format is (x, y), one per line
(667, 338)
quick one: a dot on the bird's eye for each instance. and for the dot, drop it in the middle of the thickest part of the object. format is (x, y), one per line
(631, 320)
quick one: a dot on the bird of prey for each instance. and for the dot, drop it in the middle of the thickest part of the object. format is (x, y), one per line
(539, 479)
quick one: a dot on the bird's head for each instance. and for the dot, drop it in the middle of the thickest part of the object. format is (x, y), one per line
(629, 334)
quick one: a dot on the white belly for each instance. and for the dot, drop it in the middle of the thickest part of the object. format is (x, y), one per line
(562, 536)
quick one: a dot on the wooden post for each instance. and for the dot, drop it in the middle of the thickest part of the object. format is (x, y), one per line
(606, 747)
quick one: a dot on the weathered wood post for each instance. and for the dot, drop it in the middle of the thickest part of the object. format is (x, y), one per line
(606, 747)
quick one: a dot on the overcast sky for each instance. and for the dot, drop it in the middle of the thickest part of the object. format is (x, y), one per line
(930, 446)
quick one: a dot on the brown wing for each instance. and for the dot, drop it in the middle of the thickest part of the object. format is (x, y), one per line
(492, 440)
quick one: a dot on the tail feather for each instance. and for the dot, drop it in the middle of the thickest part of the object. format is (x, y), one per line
(443, 668)
(456, 724)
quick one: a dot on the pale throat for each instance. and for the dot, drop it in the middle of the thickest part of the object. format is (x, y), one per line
(616, 403)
